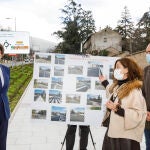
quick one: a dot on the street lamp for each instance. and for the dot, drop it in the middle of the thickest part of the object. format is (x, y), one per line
(14, 21)
(12, 57)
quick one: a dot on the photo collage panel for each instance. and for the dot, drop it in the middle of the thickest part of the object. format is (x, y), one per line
(66, 88)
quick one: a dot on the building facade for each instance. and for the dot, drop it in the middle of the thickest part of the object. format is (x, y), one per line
(106, 39)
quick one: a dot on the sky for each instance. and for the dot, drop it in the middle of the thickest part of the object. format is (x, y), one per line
(41, 18)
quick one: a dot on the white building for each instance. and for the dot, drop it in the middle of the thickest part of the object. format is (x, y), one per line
(40, 45)
(106, 39)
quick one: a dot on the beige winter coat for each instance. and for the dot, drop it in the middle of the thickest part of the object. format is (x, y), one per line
(131, 126)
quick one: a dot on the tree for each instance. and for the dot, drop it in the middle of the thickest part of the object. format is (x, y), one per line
(78, 25)
(126, 28)
(144, 26)
(138, 42)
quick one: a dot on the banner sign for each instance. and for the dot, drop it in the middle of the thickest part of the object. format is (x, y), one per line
(15, 42)
(66, 88)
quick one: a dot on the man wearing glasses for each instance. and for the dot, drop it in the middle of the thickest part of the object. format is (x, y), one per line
(146, 93)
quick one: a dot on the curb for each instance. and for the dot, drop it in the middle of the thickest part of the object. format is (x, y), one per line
(19, 102)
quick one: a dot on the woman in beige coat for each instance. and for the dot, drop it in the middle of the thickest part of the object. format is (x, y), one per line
(126, 106)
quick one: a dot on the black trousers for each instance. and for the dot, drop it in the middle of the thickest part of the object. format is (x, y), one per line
(3, 127)
(70, 137)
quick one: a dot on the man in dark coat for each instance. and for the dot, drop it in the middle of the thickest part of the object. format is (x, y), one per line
(4, 104)
(146, 93)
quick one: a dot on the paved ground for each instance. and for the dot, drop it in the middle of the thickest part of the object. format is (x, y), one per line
(25, 134)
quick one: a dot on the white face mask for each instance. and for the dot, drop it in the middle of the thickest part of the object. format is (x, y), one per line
(118, 75)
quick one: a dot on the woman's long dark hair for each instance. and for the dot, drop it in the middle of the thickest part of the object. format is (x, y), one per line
(134, 71)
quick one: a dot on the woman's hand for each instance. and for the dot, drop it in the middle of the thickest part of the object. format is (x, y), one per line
(102, 78)
(112, 106)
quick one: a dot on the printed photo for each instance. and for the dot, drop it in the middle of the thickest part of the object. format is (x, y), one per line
(111, 71)
(75, 70)
(77, 114)
(58, 113)
(44, 71)
(58, 71)
(83, 84)
(55, 96)
(40, 83)
(42, 58)
(39, 95)
(99, 86)
(94, 101)
(60, 59)
(73, 98)
(38, 114)
(57, 83)
(94, 69)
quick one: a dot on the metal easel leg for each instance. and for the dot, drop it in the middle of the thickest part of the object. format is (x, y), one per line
(64, 139)
(92, 138)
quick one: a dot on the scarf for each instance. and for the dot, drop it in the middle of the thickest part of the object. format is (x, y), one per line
(124, 87)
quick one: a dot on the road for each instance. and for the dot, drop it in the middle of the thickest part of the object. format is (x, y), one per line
(83, 87)
(93, 72)
(55, 99)
(15, 63)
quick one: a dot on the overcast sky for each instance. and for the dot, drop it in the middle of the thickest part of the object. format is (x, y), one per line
(42, 17)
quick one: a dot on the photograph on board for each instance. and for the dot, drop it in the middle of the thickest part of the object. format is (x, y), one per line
(111, 70)
(72, 69)
(99, 86)
(58, 113)
(59, 59)
(42, 58)
(83, 84)
(56, 83)
(94, 69)
(73, 98)
(39, 95)
(77, 114)
(59, 71)
(41, 83)
(39, 114)
(94, 101)
(44, 71)
(55, 96)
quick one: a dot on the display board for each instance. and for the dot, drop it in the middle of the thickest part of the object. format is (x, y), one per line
(66, 88)
(15, 42)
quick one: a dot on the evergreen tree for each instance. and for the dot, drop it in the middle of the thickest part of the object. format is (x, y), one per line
(126, 28)
(78, 25)
(138, 42)
(144, 27)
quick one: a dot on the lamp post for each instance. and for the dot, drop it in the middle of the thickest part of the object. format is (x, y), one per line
(12, 57)
(14, 21)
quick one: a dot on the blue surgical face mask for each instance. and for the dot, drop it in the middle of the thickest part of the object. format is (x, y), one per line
(148, 58)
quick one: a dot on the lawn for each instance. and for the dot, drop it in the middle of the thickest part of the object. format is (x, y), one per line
(20, 76)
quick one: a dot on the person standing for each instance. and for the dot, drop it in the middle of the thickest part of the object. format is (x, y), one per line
(70, 136)
(4, 103)
(146, 93)
(126, 105)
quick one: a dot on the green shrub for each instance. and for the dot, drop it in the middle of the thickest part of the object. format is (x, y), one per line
(20, 77)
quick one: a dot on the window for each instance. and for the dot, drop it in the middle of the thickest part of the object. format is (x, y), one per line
(105, 39)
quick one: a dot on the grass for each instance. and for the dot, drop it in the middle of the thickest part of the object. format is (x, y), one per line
(20, 76)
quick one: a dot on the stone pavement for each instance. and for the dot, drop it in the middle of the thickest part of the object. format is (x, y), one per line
(24, 134)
